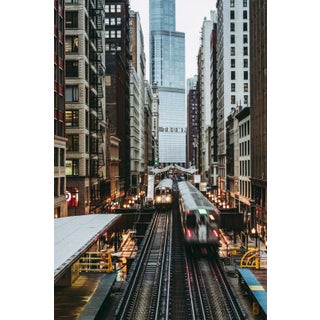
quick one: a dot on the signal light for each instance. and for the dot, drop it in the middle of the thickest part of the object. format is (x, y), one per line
(189, 233)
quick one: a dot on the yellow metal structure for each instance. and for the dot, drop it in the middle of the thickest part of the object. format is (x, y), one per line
(96, 262)
(250, 259)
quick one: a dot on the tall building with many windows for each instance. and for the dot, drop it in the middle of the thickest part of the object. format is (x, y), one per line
(233, 75)
(60, 204)
(167, 69)
(85, 106)
(117, 57)
(258, 72)
(137, 104)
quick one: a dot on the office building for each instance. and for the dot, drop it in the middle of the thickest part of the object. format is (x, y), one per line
(137, 104)
(60, 203)
(117, 57)
(167, 70)
(258, 74)
(233, 74)
(85, 106)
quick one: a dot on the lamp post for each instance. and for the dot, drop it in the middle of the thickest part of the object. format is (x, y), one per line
(255, 233)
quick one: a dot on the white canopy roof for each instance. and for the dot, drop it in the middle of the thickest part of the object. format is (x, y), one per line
(74, 235)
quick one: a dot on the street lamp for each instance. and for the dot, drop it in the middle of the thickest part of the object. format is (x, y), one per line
(254, 232)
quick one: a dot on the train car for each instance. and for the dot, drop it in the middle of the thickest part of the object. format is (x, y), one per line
(200, 219)
(163, 194)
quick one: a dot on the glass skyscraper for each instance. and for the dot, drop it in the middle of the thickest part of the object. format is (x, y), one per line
(167, 69)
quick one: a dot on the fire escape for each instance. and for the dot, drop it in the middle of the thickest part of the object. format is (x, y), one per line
(96, 96)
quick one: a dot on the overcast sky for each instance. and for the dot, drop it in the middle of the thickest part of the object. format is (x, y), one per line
(189, 19)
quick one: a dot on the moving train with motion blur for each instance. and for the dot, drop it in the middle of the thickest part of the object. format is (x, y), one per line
(200, 219)
(163, 194)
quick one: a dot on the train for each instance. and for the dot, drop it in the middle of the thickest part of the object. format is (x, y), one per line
(163, 194)
(200, 219)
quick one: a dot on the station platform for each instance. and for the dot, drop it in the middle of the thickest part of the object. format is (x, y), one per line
(84, 298)
(257, 293)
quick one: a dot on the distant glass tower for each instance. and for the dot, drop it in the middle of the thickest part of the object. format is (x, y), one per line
(167, 69)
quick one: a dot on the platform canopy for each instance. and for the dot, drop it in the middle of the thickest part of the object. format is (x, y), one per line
(75, 235)
(190, 170)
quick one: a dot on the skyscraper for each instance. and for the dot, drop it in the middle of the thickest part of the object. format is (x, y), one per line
(233, 78)
(167, 69)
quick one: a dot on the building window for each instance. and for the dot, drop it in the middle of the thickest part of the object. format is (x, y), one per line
(72, 68)
(232, 38)
(119, 34)
(113, 21)
(87, 167)
(233, 87)
(232, 28)
(245, 14)
(233, 63)
(112, 8)
(245, 87)
(61, 77)
(112, 33)
(72, 44)
(118, 8)
(87, 120)
(71, 1)
(118, 21)
(87, 144)
(245, 63)
(233, 99)
(72, 118)
(62, 187)
(61, 103)
(56, 152)
(106, 8)
(72, 167)
(72, 93)
(245, 51)
(61, 50)
(245, 26)
(245, 75)
(232, 51)
(72, 19)
(231, 14)
(61, 129)
(61, 157)
(231, 3)
(233, 75)
(245, 38)
(245, 99)
(56, 184)
(245, 3)
(73, 142)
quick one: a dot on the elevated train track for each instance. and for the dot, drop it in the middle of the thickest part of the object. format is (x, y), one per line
(146, 294)
(168, 281)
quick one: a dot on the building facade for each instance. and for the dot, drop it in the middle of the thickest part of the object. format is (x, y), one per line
(117, 57)
(167, 69)
(60, 203)
(233, 73)
(258, 68)
(193, 126)
(85, 105)
(155, 124)
(137, 104)
(204, 69)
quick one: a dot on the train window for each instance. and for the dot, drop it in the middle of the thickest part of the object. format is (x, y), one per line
(191, 221)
